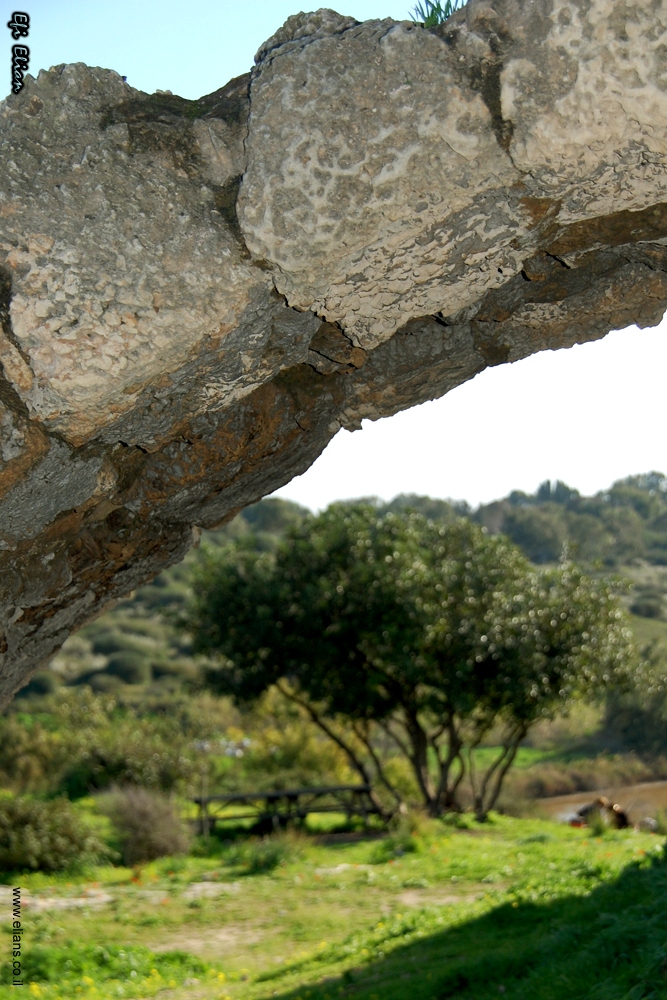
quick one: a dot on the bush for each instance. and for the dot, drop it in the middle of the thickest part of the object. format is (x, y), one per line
(128, 753)
(42, 683)
(405, 839)
(109, 640)
(147, 823)
(287, 750)
(130, 666)
(637, 720)
(101, 682)
(433, 12)
(176, 670)
(584, 775)
(29, 756)
(647, 606)
(44, 836)
(256, 856)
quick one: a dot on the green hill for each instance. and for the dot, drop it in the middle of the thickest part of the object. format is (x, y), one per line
(134, 649)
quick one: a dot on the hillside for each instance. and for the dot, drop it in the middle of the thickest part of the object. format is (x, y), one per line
(134, 649)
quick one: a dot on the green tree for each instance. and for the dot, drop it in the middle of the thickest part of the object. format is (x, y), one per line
(432, 634)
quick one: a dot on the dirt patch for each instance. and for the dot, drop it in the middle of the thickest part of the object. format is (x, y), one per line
(645, 799)
(155, 896)
(209, 890)
(209, 942)
(354, 837)
(342, 868)
(39, 903)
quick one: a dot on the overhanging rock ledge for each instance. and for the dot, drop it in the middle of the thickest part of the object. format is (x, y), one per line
(196, 295)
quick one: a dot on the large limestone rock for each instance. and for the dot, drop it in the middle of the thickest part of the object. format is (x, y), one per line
(196, 295)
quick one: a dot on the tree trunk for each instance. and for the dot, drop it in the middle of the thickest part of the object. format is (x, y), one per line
(447, 798)
(364, 737)
(328, 730)
(419, 760)
(486, 796)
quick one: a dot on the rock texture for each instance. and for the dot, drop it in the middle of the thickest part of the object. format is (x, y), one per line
(196, 295)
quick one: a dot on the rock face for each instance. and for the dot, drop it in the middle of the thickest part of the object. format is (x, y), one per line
(196, 295)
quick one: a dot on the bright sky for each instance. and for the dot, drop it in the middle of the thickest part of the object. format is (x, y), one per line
(587, 416)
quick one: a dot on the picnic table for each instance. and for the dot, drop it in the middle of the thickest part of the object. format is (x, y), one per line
(279, 807)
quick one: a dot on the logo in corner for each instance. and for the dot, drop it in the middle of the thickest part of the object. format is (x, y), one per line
(19, 27)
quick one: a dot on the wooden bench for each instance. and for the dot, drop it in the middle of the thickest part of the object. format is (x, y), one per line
(276, 809)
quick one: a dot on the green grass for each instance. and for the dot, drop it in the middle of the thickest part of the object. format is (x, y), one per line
(526, 756)
(544, 911)
(647, 629)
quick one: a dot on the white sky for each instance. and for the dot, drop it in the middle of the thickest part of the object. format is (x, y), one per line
(588, 415)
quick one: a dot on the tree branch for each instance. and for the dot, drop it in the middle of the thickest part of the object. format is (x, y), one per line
(403, 747)
(499, 768)
(365, 739)
(357, 764)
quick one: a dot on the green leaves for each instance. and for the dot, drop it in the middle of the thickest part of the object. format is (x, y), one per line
(432, 13)
(45, 836)
(442, 631)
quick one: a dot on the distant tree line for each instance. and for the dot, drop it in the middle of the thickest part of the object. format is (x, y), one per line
(614, 527)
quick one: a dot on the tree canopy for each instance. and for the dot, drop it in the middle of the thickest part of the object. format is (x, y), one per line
(428, 634)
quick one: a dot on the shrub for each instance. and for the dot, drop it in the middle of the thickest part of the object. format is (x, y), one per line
(127, 753)
(42, 683)
(405, 839)
(647, 606)
(109, 640)
(29, 755)
(256, 856)
(130, 666)
(288, 751)
(585, 775)
(101, 682)
(147, 823)
(44, 836)
(661, 822)
(79, 708)
(169, 668)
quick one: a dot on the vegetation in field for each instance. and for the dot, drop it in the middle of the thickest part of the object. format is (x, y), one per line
(432, 12)
(103, 969)
(103, 753)
(165, 733)
(622, 528)
(48, 836)
(429, 635)
(436, 910)
(147, 823)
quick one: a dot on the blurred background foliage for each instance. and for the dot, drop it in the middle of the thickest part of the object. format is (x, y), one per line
(123, 701)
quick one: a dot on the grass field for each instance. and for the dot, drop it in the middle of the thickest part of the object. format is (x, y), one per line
(513, 908)
(649, 629)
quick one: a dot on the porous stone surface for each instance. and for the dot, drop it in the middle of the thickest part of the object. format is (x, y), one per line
(196, 295)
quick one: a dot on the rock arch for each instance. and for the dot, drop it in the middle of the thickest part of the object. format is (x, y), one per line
(196, 295)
